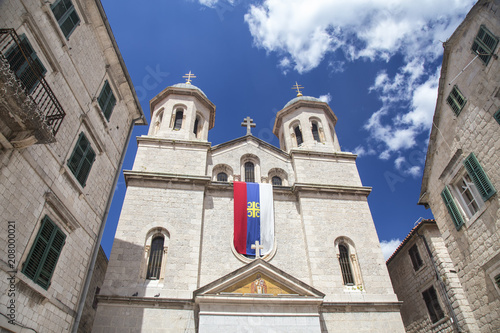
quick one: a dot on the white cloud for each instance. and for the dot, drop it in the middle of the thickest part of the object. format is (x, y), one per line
(388, 247)
(306, 31)
(325, 98)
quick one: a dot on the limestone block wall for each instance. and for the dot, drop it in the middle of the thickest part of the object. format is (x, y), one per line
(362, 321)
(475, 248)
(178, 209)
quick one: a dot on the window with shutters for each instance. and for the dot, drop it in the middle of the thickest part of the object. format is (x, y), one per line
(431, 301)
(456, 100)
(179, 114)
(155, 258)
(66, 16)
(81, 159)
(416, 260)
(106, 100)
(249, 172)
(44, 254)
(222, 177)
(484, 44)
(26, 74)
(497, 116)
(479, 177)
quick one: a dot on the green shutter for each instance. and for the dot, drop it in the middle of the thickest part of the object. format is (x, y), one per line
(66, 16)
(497, 116)
(42, 259)
(452, 208)
(484, 44)
(456, 100)
(81, 159)
(479, 177)
(106, 100)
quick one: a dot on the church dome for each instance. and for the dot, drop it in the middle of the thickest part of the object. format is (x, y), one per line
(303, 98)
(188, 86)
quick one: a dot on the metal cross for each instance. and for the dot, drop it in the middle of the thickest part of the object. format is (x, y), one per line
(188, 77)
(248, 122)
(298, 87)
(257, 248)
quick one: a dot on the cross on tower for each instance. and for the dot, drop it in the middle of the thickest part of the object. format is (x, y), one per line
(298, 87)
(257, 248)
(188, 77)
(248, 122)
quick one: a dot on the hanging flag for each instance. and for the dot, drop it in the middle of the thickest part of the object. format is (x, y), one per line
(253, 217)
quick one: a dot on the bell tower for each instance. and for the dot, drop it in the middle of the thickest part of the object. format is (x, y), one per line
(306, 123)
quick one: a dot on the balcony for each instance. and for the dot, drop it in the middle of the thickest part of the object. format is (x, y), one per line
(29, 111)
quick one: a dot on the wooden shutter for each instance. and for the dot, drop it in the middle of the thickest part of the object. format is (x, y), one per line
(107, 100)
(484, 44)
(497, 116)
(81, 159)
(479, 177)
(66, 16)
(452, 208)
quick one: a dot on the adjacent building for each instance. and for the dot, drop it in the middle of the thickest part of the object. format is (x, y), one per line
(426, 281)
(67, 107)
(176, 263)
(461, 176)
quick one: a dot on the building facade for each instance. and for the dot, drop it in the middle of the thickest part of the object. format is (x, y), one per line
(426, 281)
(67, 107)
(461, 177)
(174, 266)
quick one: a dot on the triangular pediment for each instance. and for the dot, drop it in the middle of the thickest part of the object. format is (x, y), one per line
(256, 279)
(249, 140)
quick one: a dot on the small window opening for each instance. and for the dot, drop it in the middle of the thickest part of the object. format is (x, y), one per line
(154, 265)
(178, 119)
(298, 135)
(249, 172)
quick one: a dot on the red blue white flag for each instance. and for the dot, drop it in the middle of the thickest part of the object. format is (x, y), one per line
(253, 217)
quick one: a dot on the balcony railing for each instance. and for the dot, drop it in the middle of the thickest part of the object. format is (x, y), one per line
(29, 73)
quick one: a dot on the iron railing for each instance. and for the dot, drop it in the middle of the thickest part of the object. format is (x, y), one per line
(29, 72)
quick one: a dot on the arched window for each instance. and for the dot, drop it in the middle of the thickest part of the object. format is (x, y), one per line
(276, 181)
(178, 119)
(159, 119)
(155, 257)
(222, 177)
(345, 265)
(249, 172)
(298, 135)
(196, 123)
(315, 132)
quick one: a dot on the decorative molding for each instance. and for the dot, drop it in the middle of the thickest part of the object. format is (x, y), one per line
(90, 130)
(356, 190)
(60, 208)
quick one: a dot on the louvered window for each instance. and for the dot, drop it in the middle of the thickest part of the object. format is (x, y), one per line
(107, 100)
(178, 119)
(66, 16)
(81, 159)
(42, 259)
(298, 135)
(249, 172)
(345, 265)
(415, 257)
(456, 100)
(155, 257)
(484, 44)
(479, 177)
(497, 116)
(432, 303)
(222, 177)
(276, 181)
(452, 208)
(26, 74)
(315, 132)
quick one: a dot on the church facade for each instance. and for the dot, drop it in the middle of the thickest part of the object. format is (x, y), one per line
(174, 266)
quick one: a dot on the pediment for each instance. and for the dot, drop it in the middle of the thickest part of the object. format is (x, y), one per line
(259, 279)
(252, 141)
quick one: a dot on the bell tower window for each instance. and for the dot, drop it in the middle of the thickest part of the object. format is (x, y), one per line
(196, 124)
(178, 119)
(315, 132)
(155, 257)
(345, 265)
(298, 135)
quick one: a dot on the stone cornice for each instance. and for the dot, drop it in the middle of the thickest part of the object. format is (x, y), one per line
(312, 153)
(340, 189)
(172, 142)
(361, 306)
(164, 177)
(172, 303)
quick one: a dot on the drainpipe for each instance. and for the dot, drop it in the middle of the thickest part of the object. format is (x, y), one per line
(91, 268)
(454, 320)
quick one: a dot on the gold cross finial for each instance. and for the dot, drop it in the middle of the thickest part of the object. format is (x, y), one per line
(298, 87)
(188, 77)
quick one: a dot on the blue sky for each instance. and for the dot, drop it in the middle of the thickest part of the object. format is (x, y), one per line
(376, 62)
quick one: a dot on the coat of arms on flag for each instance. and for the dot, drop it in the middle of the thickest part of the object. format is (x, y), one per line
(253, 217)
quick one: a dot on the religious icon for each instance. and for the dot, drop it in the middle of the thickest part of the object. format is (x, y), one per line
(258, 286)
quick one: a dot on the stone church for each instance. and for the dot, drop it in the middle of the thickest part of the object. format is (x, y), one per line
(174, 266)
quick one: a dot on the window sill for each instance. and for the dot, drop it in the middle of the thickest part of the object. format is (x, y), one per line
(440, 321)
(475, 217)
